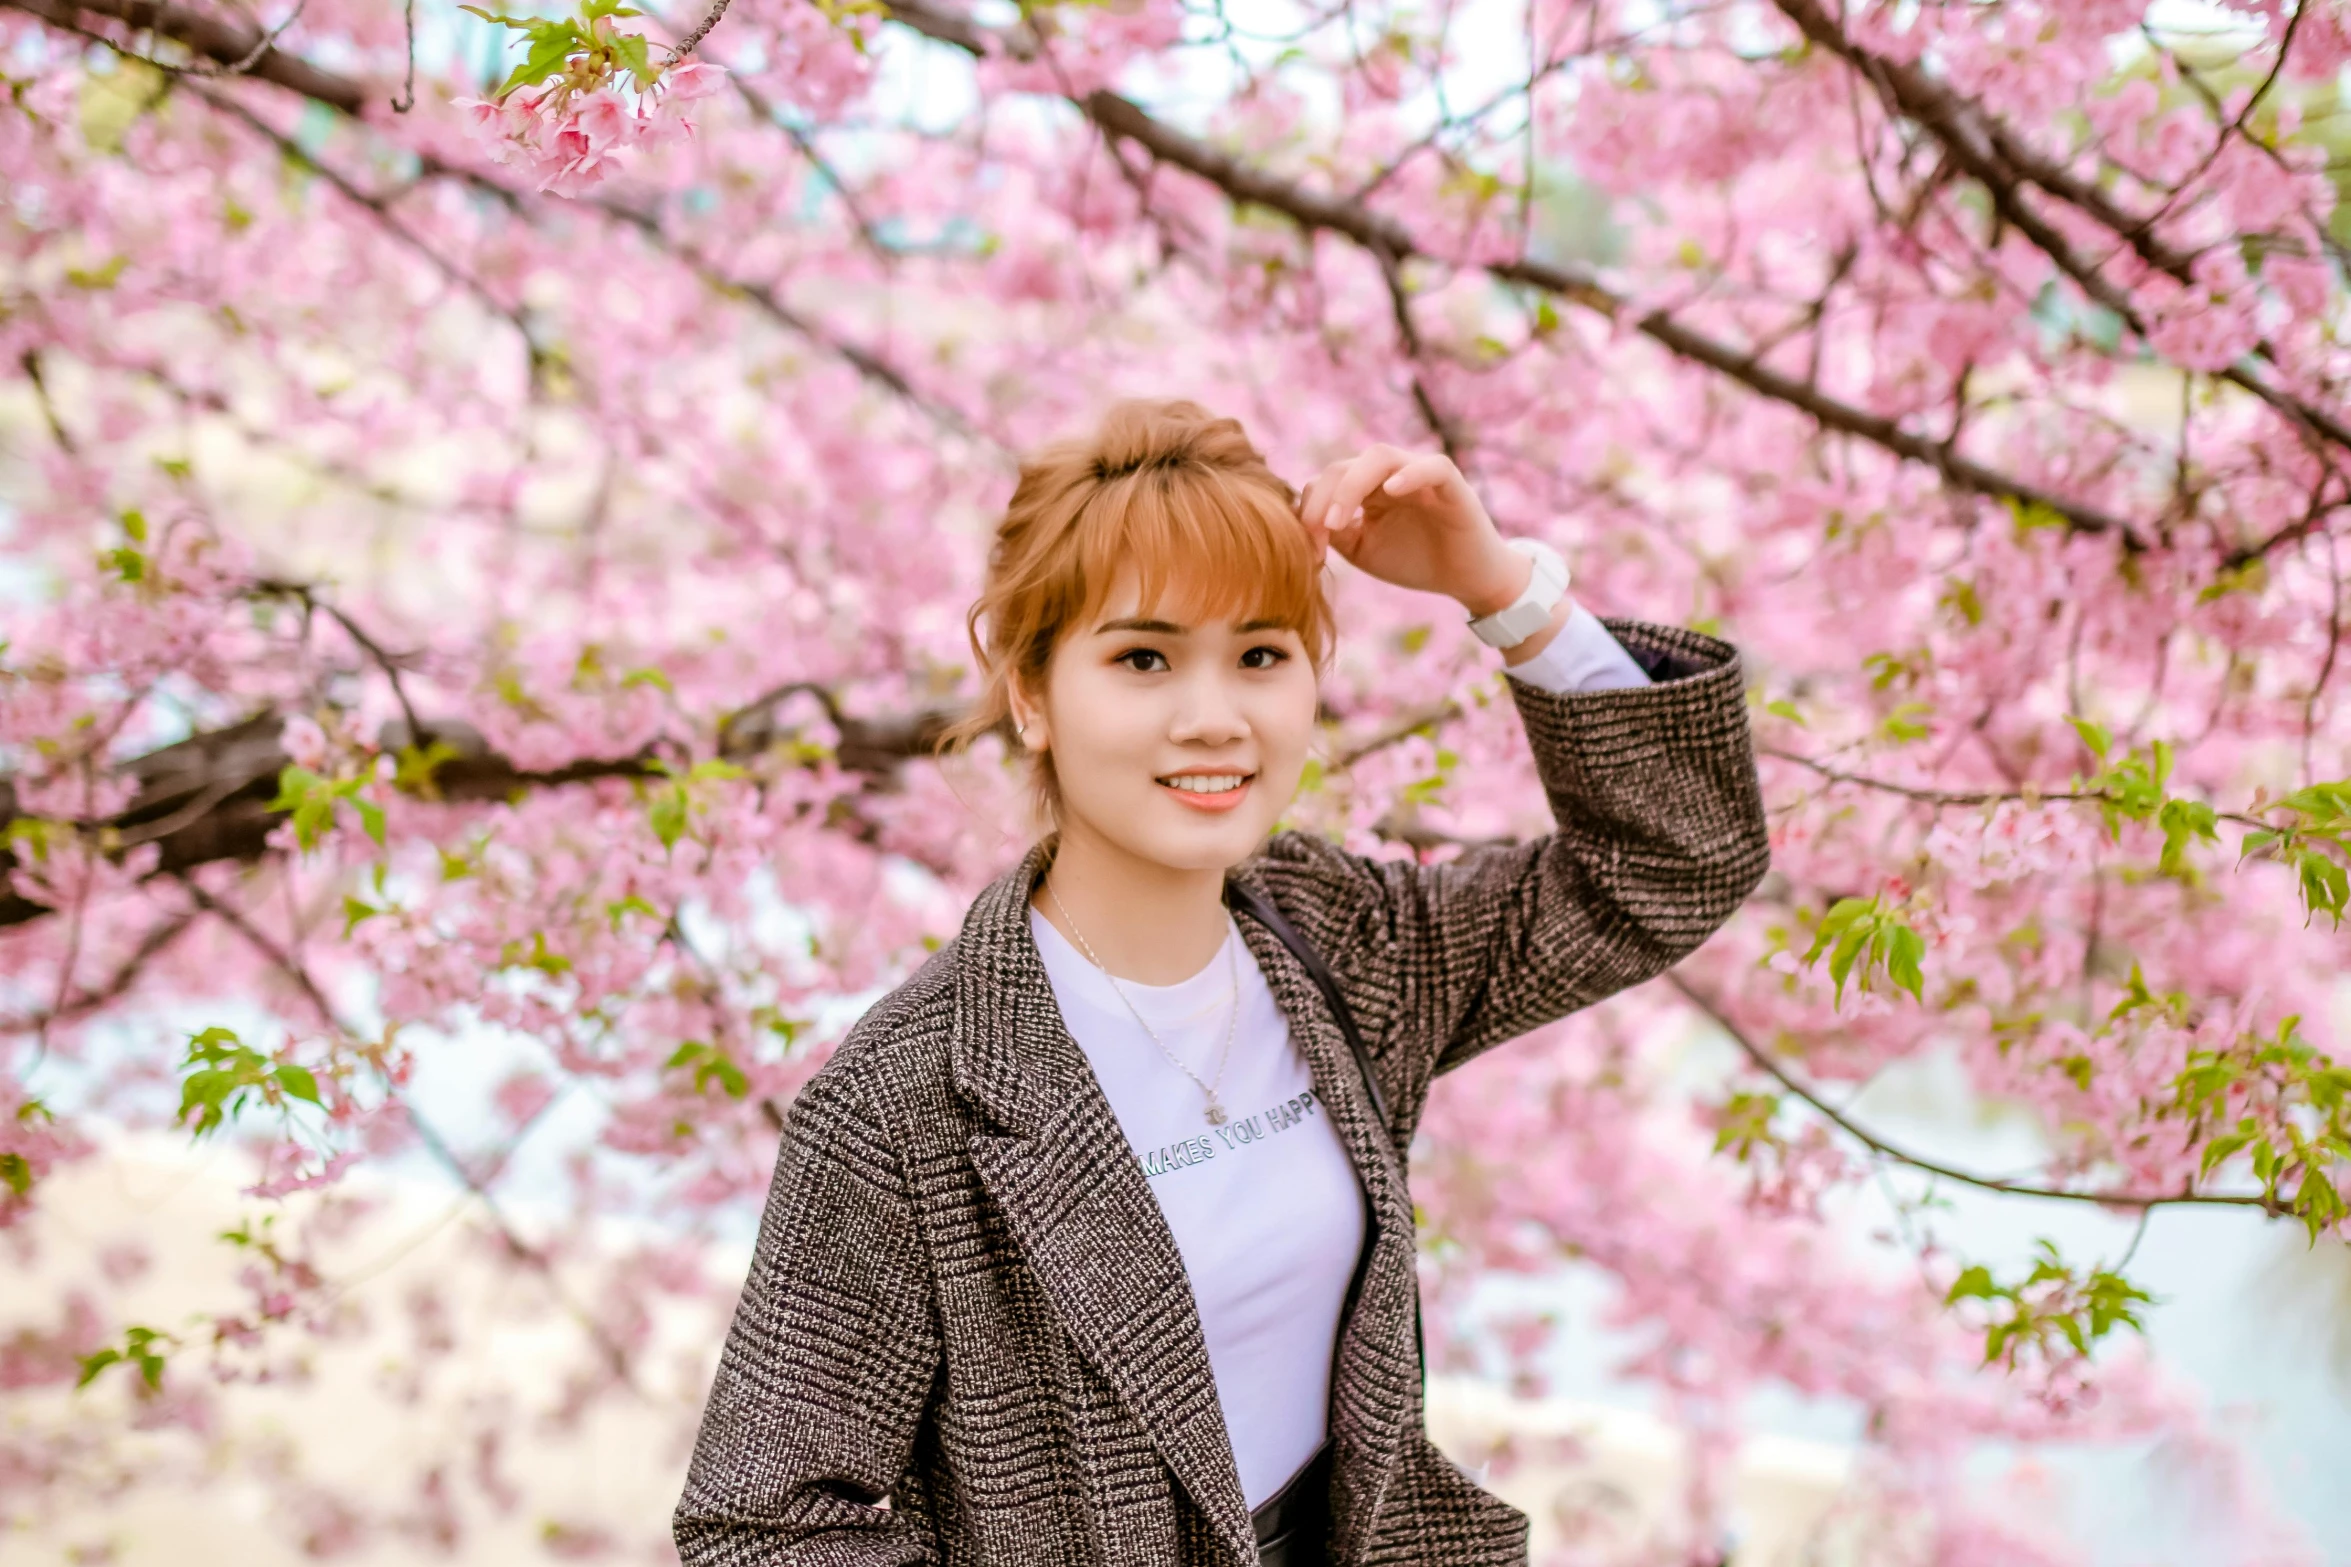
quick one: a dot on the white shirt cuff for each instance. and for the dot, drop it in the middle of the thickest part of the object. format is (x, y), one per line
(1584, 656)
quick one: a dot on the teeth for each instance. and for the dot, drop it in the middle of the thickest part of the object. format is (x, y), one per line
(1207, 783)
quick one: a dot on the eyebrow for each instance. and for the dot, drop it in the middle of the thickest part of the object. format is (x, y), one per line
(1169, 628)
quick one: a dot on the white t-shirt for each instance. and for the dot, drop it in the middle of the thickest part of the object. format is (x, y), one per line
(1265, 1209)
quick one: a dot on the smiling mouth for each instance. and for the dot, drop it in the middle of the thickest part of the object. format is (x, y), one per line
(1206, 783)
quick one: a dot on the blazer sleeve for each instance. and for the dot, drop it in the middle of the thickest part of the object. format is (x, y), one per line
(829, 1365)
(1659, 836)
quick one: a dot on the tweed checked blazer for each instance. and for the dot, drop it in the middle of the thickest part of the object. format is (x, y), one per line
(967, 1338)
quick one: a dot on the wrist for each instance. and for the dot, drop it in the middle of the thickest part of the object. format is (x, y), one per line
(1512, 657)
(1500, 579)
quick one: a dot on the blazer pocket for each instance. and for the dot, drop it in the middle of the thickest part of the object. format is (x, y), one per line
(1461, 1521)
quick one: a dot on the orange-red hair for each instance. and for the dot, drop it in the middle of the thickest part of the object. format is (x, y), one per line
(1167, 489)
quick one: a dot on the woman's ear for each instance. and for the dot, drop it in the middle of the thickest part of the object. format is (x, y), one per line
(1028, 718)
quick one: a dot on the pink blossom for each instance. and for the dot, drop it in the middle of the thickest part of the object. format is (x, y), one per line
(304, 741)
(600, 121)
(692, 81)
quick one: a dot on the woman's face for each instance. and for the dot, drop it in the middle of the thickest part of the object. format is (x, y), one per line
(1177, 743)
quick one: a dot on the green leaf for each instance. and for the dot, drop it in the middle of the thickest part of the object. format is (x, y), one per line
(1849, 947)
(552, 46)
(1783, 708)
(1973, 1283)
(668, 815)
(1907, 721)
(93, 1364)
(99, 278)
(295, 782)
(2325, 888)
(710, 1064)
(371, 819)
(356, 912)
(1841, 913)
(2181, 821)
(2032, 515)
(540, 957)
(138, 1349)
(1744, 1122)
(629, 49)
(417, 771)
(2093, 735)
(297, 1082)
(1903, 960)
(632, 904)
(16, 1173)
(2221, 1148)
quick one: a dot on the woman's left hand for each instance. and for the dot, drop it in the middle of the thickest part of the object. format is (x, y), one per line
(1420, 526)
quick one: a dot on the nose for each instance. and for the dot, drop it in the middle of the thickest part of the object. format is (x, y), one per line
(1208, 711)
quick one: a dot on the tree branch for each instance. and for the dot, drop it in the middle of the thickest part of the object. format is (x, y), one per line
(278, 957)
(206, 799)
(1762, 1060)
(223, 41)
(2002, 163)
(1380, 234)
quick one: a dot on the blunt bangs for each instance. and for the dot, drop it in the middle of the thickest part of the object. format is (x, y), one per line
(1202, 545)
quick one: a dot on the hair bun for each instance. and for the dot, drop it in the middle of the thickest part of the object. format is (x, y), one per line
(1140, 434)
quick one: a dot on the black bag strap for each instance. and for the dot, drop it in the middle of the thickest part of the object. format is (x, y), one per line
(1261, 909)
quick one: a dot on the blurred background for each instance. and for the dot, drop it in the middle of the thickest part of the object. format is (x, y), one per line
(468, 1310)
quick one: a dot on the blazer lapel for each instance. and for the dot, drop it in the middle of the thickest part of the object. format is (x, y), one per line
(1375, 1373)
(1060, 1171)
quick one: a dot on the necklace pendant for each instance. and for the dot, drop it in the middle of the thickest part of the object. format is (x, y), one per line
(1216, 1115)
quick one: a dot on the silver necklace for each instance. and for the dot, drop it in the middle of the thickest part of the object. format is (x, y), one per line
(1216, 1111)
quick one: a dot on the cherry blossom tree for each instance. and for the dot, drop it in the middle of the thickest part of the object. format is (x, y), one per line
(493, 500)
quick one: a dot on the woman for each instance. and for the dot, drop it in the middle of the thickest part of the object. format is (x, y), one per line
(1091, 1243)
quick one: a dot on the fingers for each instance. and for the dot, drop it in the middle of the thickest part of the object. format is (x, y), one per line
(1429, 471)
(1315, 499)
(1330, 504)
(1364, 473)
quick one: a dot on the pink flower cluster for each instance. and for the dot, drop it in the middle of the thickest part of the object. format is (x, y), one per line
(569, 142)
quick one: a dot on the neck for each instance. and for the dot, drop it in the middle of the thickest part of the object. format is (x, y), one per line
(1151, 923)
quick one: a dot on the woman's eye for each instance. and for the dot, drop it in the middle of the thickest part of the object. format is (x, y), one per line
(1263, 658)
(1141, 660)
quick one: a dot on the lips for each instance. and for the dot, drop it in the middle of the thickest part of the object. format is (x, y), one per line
(1208, 791)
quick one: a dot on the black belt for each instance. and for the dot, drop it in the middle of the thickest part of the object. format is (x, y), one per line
(1293, 1524)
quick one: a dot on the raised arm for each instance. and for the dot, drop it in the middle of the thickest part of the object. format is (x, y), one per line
(1659, 837)
(829, 1364)
(1650, 772)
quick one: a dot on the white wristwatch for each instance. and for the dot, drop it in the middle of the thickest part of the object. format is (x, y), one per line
(1507, 628)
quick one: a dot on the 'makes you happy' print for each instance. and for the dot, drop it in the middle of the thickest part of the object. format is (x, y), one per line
(1230, 1138)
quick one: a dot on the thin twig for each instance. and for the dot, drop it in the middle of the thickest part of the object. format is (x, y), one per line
(126, 973)
(383, 659)
(615, 1353)
(685, 45)
(1248, 185)
(1879, 1146)
(407, 99)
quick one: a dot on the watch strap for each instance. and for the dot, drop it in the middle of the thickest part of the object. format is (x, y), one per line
(1507, 628)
